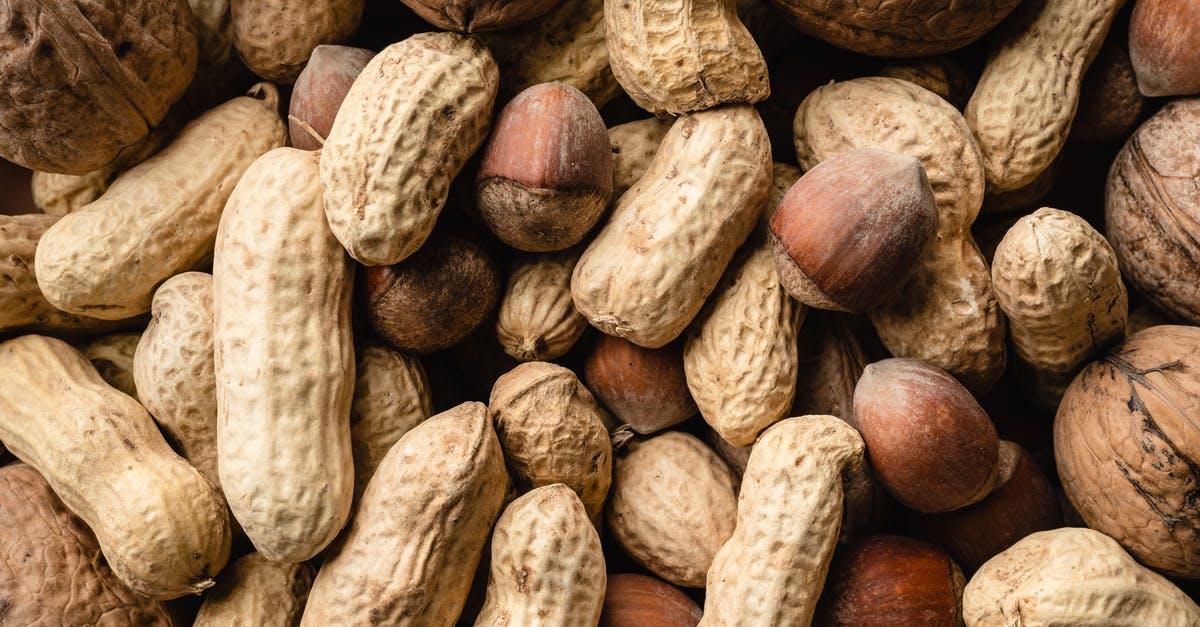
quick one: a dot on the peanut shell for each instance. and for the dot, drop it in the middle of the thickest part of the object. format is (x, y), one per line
(538, 320)
(255, 592)
(634, 145)
(275, 37)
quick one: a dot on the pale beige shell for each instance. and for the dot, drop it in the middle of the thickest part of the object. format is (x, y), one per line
(947, 314)
(552, 431)
(112, 356)
(740, 357)
(566, 45)
(274, 38)
(412, 118)
(391, 396)
(60, 194)
(672, 506)
(682, 56)
(783, 177)
(634, 145)
(284, 360)
(1057, 280)
(669, 238)
(256, 592)
(772, 570)
(411, 549)
(538, 319)
(1024, 103)
(547, 563)
(162, 527)
(159, 218)
(1072, 576)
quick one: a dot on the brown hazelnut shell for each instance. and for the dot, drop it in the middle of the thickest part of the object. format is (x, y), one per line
(632, 599)
(643, 387)
(1164, 45)
(320, 90)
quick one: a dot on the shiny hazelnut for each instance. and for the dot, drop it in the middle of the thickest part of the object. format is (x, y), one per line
(643, 387)
(320, 90)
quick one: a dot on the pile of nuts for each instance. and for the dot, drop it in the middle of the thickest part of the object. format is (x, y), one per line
(583, 312)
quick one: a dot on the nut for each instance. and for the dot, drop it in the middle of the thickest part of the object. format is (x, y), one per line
(256, 591)
(640, 600)
(112, 356)
(633, 147)
(646, 388)
(474, 16)
(319, 91)
(276, 37)
(538, 320)
(1110, 105)
(832, 357)
(1164, 45)
(941, 75)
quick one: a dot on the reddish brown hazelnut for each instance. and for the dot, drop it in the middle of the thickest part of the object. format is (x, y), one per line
(546, 173)
(932, 446)
(643, 387)
(850, 231)
(1164, 45)
(320, 90)
(631, 599)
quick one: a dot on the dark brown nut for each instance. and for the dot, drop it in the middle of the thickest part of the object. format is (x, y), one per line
(1110, 104)
(546, 174)
(320, 90)
(897, 29)
(1125, 439)
(644, 387)
(891, 580)
(1152, 209)
(1164, 45)
(941, 75)
(82, 81)
(275, 38)
(476, 16)
(932, 446)
(1023, 503)
(850, 231)
(832, 358)
(633, 599)
(435, 298)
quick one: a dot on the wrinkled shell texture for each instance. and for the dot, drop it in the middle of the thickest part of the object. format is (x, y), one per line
(391, 397)
(740, 357)
(412, 118)
(163, 529)
(538, 319)
(672, 506)
(547, 563)
(552, 431)
(1125, 438)
(82, 83)
(107, 259)
(112, 356)
(420, 528)
(1152, 209)
(947, 314)
(783, 177)
(60, 194)
(681, 56)
(274, 38)
(669, 238)
(789, 512)
(1023, 104)
(1057, 280)
(633, 146)
(473, 16)
(1072, 576)
(51, 569)
(941, 75)
(255, 592)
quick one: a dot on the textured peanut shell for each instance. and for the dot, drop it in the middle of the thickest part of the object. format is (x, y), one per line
(112, 356)
(161, 526)
(552, 431)
(684, 56)
(1024, 103)
(537, 318)
(547, 565)
(255, 592)
(159, 218)
(772, 569)
(51, 569)
(672, 506)
(274, 38)
(219, 72)
(634, 145)
(60, 194)
(411, 549)
(740, 357)
(783, 177)
(284, 359)
(947, 314)
(1072, 576)
(1057, 280)
(412, 118)
(669, 238)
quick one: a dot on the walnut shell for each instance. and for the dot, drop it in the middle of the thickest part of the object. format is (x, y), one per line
(475, 16)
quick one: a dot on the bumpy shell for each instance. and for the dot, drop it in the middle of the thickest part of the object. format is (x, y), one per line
(947, 314)
(1072, 576)
(473, 16)
(60, 194)
(772, 569)
(84, 80)
(255, 592)
(683, 56)
(547, 564)
(412, 118)
(740, 357)
(1057, 280)
(51, 569)
(275, 37)
(284, 360)
(664, 248)
(420, 528)
(634, 145)
(783, 177)
(538, 319)
(1125, 439)
(672, 506)
(831, 359)
(162, 527)
(1023, 104)
(159, 218)
(112, 355)
(552, 431)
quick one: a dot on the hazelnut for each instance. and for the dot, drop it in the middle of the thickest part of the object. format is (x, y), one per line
(476, 16)
(1110, 104)
(850, 231)
(633, 599)
(320, 90)
(1164, 45)
(831, 360)
(643, 387)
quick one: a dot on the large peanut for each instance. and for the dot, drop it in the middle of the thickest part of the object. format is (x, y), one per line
(256, 592)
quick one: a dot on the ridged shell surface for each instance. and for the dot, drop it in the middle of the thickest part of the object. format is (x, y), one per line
(538, 319)
(276, 37)
(256, 592)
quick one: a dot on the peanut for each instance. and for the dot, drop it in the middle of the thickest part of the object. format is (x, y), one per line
(538, 320)
(275, 37)
(634, 145)
(112, 355)
(254, 592)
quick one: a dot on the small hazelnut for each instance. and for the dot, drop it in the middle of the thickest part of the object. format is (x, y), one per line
(631, 599)
(644, 387)
(320, 90)
(1164, 45)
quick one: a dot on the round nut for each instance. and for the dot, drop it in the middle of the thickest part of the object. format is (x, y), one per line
(320, 90)
(476, 16)
(1110, 104)
(275, 38)
(1164, 45)
(645, 388)
(641, 600)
